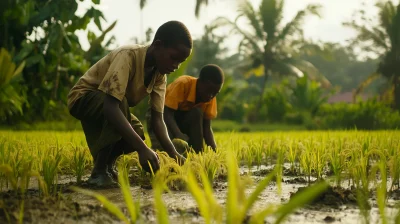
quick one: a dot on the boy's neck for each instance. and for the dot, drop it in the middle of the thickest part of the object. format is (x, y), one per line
(149, 60)
(197, 98)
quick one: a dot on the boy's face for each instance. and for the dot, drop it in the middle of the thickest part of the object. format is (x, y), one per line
(168, 59)
(206, 91)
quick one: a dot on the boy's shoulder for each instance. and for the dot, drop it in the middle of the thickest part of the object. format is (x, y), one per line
(130, 48)
(185, 79)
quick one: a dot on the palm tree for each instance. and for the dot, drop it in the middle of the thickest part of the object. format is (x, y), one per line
(270, 43)
(382, 39)
(199, 3)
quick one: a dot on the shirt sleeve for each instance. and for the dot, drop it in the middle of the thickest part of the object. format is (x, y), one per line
(116, 79)
(175, 94)
(157, 96)
(210, 111)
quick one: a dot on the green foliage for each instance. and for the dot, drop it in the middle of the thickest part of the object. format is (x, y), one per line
(12, 98)
(43, 35)
(267, 45)
(277, 103)
(367, 115)
(341, 65)
(381, 38)
(208, 49)
(307, 95)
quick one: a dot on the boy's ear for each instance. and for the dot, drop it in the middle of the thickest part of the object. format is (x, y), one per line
(157, 43)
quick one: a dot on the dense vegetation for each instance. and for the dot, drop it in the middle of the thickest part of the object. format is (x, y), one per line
(42, 58)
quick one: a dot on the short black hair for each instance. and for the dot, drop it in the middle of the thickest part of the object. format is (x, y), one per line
(173, 33)
(212, 73)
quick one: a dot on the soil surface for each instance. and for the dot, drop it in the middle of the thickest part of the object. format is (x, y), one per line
(336, 205)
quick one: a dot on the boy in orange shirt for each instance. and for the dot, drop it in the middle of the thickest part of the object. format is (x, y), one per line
(190, 105)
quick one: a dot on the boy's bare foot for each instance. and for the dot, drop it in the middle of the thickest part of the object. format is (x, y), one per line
(101, 180)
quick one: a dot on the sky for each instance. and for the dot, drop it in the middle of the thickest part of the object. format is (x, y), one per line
(132, 22)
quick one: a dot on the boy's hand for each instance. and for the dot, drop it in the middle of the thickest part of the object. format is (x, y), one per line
(151, 156)
(179, 158)
(184, 137)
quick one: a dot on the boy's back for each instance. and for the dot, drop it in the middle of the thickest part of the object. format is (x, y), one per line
(109, 76)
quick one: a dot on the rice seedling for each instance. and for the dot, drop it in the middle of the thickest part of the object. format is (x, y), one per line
(306, 163)
(291, 155)
(394, 166)
(259, 151)
(298, 201)
(361, 181)
(19, 184)
(50, 168)
(133, 207)
(212, 163)
(79, 163)
(21, 213)
(159, 186)
(209, 208)
(353, 155)
(337, 161)
(249, 157)
(268, 153)
(319, 158)
(381, 191)
(111, 207)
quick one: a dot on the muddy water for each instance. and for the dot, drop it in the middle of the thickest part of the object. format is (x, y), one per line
(182, 207)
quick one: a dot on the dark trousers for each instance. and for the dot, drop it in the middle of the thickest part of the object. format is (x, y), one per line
(99, 133)
(189, 122)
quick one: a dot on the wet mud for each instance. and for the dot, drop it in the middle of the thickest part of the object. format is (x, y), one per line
(336, 205)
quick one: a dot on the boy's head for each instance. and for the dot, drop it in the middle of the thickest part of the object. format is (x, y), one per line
(209, 83)
(172, 45)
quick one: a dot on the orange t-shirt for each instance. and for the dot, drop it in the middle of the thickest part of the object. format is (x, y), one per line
(181, 95)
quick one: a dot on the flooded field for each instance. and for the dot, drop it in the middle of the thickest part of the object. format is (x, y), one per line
(335, 158)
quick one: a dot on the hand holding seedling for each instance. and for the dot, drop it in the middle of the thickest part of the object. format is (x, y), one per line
(149, 156)
(179, 159)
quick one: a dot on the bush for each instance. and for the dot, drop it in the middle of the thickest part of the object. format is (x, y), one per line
(368, 115)
(276, 104)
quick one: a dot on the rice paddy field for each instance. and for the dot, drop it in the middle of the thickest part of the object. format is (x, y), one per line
(266, 177)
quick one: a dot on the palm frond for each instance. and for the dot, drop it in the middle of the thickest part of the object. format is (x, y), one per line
(199, 3)
(312, 72)
(271, 13)
(142, 3)
(294, 25)
(366, 83)
(370, 34)
(286, 69)
(386, 13)
(246, 9)
(222, 21)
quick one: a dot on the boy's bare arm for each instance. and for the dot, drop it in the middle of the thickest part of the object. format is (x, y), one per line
(171, 124)
(208, 134)
(160, 130)
(114, 115)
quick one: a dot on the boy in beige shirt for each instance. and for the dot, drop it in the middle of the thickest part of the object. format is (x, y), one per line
(102, 96)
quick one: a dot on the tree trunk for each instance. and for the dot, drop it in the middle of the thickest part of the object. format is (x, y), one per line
(261, 99)
(55, 90)
(264, 83)
(396, 83)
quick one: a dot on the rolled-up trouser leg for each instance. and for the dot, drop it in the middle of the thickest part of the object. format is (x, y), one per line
(191, 123)
(99, 133)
